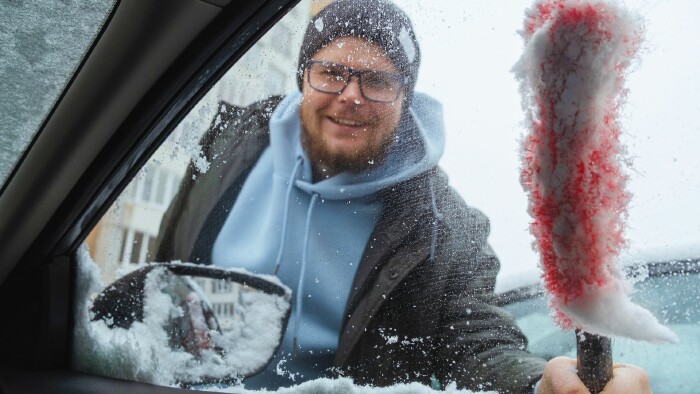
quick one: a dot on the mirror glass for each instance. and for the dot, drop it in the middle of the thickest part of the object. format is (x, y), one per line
(189, 323)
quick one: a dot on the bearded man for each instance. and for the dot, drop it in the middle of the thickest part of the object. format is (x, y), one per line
(336, 189)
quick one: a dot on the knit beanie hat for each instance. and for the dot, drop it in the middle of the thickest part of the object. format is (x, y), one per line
(379, 22)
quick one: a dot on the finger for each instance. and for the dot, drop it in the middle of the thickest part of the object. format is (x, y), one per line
(560, 376)
(628, 379)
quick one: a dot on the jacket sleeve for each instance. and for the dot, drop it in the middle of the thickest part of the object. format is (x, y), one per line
(235, 139)
(481, 346)
(183, 219)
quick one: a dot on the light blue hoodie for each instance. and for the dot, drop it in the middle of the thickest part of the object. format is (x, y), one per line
(313, 235)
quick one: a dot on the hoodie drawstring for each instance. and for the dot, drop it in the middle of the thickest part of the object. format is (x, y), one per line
(298, 305)
(300, 285)
(437, 216)
(292, 178)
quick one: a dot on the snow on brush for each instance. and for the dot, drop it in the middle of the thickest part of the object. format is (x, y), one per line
(572, 75)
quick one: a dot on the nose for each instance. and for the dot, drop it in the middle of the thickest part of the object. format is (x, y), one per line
(352, 92)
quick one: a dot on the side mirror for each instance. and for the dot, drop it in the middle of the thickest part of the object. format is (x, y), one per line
(206, 324)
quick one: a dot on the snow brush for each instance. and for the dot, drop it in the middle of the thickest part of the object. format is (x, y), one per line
(572, 75)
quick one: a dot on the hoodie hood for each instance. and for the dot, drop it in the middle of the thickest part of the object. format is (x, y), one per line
(417, 147)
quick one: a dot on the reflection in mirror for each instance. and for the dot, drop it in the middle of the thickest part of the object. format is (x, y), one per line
(182, 324)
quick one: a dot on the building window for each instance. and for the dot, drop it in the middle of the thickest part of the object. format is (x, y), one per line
(134, 247)
(221, 286)
(156, 186)
(224, 309)
(147, 185)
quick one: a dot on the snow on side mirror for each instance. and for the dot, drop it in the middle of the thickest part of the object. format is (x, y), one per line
(199, 324)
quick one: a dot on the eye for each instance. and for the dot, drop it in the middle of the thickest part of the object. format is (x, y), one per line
(333, 73)
(380, 80)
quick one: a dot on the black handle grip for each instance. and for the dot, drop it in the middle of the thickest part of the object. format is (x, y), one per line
(594, 360)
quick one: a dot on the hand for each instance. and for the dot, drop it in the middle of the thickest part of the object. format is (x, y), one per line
(560, 378)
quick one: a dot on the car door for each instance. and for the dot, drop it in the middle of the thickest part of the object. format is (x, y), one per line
(147, 66)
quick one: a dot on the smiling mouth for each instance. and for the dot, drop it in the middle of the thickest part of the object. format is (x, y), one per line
(346, 122)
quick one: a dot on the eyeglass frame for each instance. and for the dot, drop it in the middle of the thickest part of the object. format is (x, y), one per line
(358, 73)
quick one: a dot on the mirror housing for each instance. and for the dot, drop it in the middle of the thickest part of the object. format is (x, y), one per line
(213, 325)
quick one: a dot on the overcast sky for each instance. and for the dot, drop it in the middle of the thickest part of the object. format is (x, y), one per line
(468, 50)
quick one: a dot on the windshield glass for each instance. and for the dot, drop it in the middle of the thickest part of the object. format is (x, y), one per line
(42, 43)
(387, 199)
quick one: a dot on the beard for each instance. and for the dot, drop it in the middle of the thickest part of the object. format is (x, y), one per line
(369, 154)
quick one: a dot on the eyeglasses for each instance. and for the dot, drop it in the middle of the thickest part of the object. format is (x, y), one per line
(380, 86)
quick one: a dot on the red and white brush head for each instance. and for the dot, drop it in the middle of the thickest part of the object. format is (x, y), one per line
(572, 76)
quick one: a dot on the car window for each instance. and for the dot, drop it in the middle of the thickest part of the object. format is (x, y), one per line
(42, 44)
(123, 242)
(218, 193)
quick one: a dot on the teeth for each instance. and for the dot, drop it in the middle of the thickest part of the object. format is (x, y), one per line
(346, 122)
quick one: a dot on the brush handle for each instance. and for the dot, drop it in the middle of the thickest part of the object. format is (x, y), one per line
(594, 360)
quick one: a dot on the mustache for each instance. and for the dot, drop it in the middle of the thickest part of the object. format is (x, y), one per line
(356, 116)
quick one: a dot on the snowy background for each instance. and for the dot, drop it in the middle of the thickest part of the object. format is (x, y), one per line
(468, 50)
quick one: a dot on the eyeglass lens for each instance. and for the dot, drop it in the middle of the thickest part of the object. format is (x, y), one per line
(374, 85)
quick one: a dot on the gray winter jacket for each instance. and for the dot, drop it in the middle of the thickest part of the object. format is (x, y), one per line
(421, 306)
